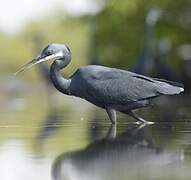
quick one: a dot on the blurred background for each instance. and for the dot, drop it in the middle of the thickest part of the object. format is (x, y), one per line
(37, 123)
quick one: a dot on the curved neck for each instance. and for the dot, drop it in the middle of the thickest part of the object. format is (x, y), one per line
(62, 84)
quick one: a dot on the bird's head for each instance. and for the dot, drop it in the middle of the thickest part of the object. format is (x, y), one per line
(51, 52)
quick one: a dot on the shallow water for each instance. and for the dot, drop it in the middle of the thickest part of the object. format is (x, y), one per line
(74, 140)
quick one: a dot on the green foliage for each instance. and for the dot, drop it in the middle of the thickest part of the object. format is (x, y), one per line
(118, 34)
(120, 29)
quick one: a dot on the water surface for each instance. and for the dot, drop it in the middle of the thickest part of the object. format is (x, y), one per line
(74, 140)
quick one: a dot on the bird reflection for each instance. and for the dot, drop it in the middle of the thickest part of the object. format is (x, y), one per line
(130, 155)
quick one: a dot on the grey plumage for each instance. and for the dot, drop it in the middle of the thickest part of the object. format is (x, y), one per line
(115, 89)
(108, 88)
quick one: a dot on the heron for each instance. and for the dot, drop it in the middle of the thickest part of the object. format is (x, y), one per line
(108, 88)
(118, 156)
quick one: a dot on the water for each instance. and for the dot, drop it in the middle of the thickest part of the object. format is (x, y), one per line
(74, 140)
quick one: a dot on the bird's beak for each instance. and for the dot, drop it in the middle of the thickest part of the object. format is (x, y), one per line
(38, 60)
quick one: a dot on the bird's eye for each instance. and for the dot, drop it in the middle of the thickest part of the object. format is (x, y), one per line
(48, 53)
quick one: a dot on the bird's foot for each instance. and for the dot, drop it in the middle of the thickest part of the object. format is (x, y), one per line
(140, 121)
(140, 124)
(144, 122)
(150, 122)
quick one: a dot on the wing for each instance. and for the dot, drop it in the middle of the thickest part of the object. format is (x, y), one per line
(104, 86)
(112, 86)
(122, 89)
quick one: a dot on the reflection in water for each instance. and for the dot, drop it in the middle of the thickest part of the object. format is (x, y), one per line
(132, 154)
(16, 164)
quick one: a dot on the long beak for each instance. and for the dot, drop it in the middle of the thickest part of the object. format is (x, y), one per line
(38, 60)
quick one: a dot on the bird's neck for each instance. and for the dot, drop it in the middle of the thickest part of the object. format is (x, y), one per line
(61, 84)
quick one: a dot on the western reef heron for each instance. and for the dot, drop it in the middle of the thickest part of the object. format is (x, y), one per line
(109, 88)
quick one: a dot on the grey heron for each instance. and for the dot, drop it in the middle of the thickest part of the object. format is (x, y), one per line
(109, 88)
(130, 155)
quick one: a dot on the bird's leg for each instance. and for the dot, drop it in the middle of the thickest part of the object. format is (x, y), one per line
(140, 120)
(111, 134)
(112, 115)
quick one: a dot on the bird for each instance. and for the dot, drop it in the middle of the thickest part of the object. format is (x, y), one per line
(43, 68)
(109, 88)
(121, 156)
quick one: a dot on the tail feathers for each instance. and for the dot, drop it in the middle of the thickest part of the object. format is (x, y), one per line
(170, 82)
(169, 87)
